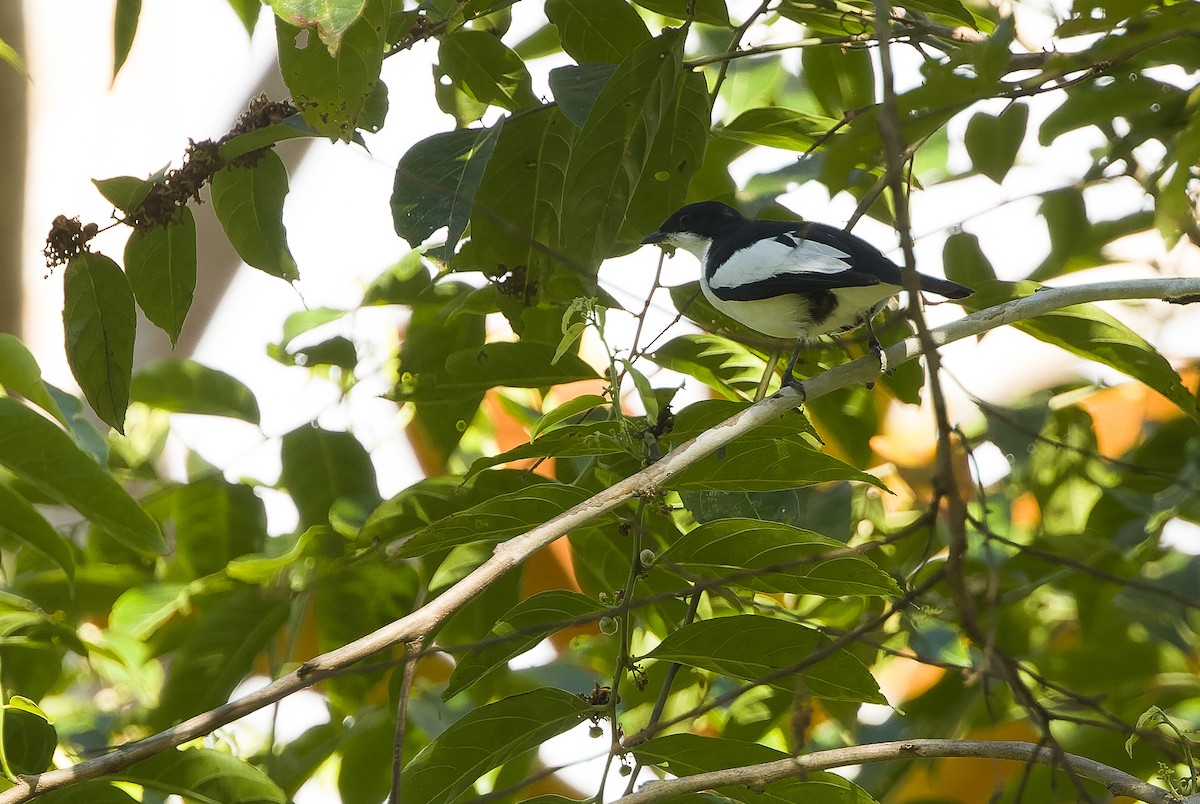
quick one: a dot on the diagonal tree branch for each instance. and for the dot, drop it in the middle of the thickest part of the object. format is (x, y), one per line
(511, 553)
(1117, 782)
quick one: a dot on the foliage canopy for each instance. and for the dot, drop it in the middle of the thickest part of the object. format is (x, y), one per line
(742, 611)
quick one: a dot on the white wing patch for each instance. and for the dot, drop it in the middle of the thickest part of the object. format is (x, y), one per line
(768, 258)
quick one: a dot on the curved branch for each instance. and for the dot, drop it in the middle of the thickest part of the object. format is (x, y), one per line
(1117, 782)
(509, 554)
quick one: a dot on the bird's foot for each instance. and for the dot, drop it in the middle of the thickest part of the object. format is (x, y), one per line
(789, 381)
(876, 348)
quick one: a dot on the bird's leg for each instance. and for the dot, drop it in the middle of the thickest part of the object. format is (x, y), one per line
(788, 380)
(877, 348)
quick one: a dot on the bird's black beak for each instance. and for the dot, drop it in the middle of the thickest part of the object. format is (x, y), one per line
(657, 236)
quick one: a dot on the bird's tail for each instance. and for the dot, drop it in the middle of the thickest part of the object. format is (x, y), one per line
(944, 287)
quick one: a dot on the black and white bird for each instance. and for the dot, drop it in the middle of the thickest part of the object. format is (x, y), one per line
(788, 279)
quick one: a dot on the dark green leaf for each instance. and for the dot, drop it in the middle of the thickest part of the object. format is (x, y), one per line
(330, 86)
(758, 462)
(125, 27)
(436, 181)
(709, 12)
(365, 773)
(321, 466)
(215, 522)
(249, 203)
(225, 636)
(20, 374)
(613, 149)
(204, 775)
(161, 263)
(89, 792)
(496, 519)
(20, 520)
(1089, 332)
(776, 558)
(337, 351)
(405, 282)
(290, 128)
(247, 11)
(487, 69)
(751, 647)
(100, 324)
(965, 262)
(611, 437)
(777, 127)
(597, 30)
(842, 79)
(41, 454)
(521, 364)
(576, 86)
(993, 142)
(528, 623)
(185, 386)
(826, 507)
(331, 18)
(486, 738)
(299, 759)
(718, 362)
(29, 738)
(125, 192)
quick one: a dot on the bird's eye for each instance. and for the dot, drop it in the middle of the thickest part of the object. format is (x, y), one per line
(684, 220)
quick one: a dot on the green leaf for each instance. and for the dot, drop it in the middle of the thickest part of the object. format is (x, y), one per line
(528, 623)
(126, 193)
(321, 466)
(161, 264)
(365, 772)
(299, 759)
(611, 437)
(718, 362)
(249, 204)
(516, 216)
(289, 128)
(709, 12)
(827, 506)
(597, 30)
(576, 86)
(99, 320)
(204, 776)
(20, 520)
(614, 147)
(690, 754)
(216, 522)
(223, 638)
(993, 142)
(842, 79)
(330, 85)
(436, 181)
(777, 127)
(12, 58)
(776, 558)
(572, 407)
(20, 374)
(125, 26)
(1089, 332)
(486, 738)
(751, 647)
(185, 386)
(481, 64)
(247, 11)
(405, 282)
(766, 461)
(89, 792)
(521, 364)
(496, 519)
(141, 611)
(29, 739)
(965, 261)
(331, 18)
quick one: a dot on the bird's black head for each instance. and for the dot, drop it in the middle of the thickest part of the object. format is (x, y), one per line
(702, 220)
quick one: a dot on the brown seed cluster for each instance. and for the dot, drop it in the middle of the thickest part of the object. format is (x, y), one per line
(68, 237)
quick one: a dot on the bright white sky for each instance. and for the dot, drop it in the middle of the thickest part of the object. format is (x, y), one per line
(191, 66)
